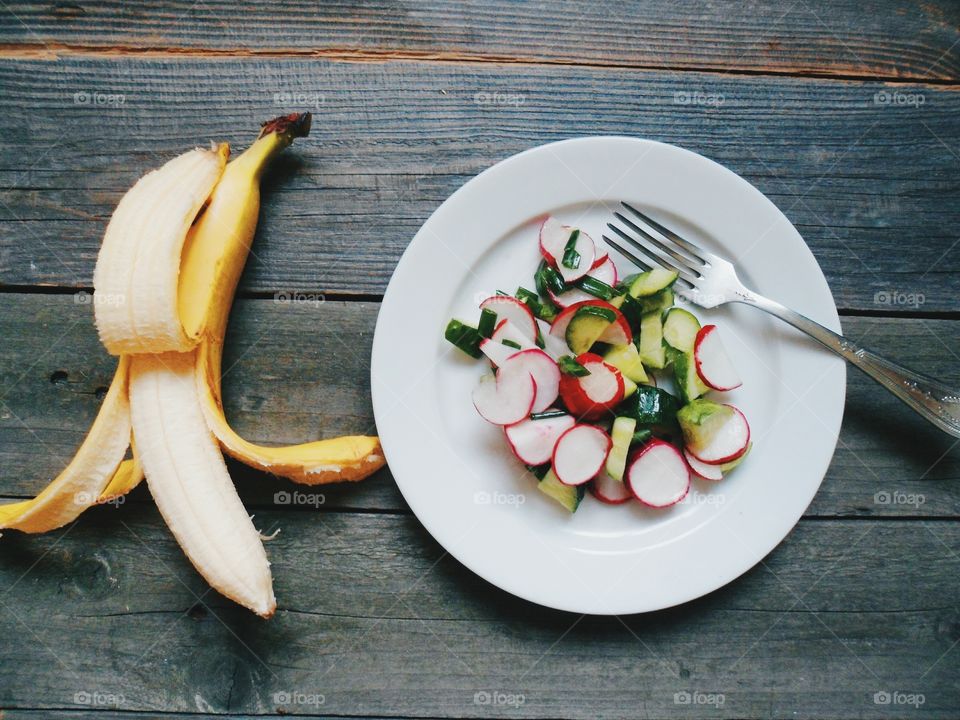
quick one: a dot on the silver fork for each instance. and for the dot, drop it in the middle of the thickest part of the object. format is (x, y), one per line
(709, 280)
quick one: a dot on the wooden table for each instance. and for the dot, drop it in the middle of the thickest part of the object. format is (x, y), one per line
(845, 113)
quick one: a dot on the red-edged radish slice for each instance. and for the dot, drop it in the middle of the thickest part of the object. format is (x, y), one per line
(496, 352)
(553, 239)
(509, 308)
(580, 453)
(610, 491)
(555, 347)
(618, 333)
(713, 364)
(702, 469)
(532, 441)
(585, 248)
(658, 475)
(728, 441)
(506, 330)
(605, 272)
(600, 255)
(590, 397)
(545, 373)
(505, 398)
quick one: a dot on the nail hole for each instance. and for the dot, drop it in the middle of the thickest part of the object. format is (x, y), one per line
(101, 392)
(59, 377)
(197, 612)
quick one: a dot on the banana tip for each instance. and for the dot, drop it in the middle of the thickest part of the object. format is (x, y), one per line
(295, 124)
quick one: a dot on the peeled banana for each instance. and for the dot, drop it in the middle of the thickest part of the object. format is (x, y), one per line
(164, 282)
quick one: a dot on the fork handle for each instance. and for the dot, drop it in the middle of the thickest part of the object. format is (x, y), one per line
(929, 397)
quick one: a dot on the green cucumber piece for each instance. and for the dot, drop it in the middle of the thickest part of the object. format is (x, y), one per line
(626, 358)
(727, 467)
(700, 421)
(663, 300)
(629, 387)
(651, 282)
(650, 346)
(680, 329)
(688, 382)
(464, 337)
(567, 495)
(650, 406)
(622, 436)
(586, 327)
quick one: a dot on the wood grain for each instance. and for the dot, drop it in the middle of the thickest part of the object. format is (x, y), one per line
(298, 372)
(840, 611)
(883, 39)
(872, 187)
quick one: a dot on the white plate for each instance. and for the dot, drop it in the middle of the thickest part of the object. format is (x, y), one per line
(456, 471)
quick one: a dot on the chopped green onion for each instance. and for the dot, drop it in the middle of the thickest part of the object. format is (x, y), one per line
(464, 337)
(488, 321)
(503, 293)
(571, 258)
(642, 435)
(597, 288)
(511, 343)
(549, 280)
(569, 366)
(538, 471)
(547, 414)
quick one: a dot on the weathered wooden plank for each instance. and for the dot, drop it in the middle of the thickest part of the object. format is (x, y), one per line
(891, 39)
(858, 176)
(842, 610)
(301, 371)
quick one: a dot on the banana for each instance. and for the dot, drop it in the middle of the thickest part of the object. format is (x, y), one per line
(189, 481)
(135, 280)
(213, 258)
(83, 482)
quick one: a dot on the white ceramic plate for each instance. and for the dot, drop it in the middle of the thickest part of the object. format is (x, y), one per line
(456, 471)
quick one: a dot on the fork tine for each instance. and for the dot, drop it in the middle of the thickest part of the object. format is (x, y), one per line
(667, 232)
(658, 259)
(682, 260)
(626, 253)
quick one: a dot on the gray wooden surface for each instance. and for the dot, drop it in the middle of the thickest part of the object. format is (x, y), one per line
(845, 114)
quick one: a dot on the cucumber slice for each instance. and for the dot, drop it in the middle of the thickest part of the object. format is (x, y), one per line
(701, 420)
(650, 348)
(586, 327)
(629, 386)
(727, 467)
(689, 384)
(622, 436)
(651, 282)
(567, 495)
(626, 358)
(663, 300)
(650, 406)
(680, 329)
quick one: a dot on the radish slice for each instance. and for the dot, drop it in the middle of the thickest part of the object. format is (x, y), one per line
(702, 469)
(658, 476)
(618, 333)
(545, 373)
(506, 330)
(603, 384)
(728, 442)
(509, 308)
(605, 272)
(555, 347)
(505, 398)
(532, 441)
(592, 396)
(600, 255)
(713, 364)
(609, 491)
(553, 239)
(496, 351)
(580, 453)
(585, 248)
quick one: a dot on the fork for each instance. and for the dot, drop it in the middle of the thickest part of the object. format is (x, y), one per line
(709, 280)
